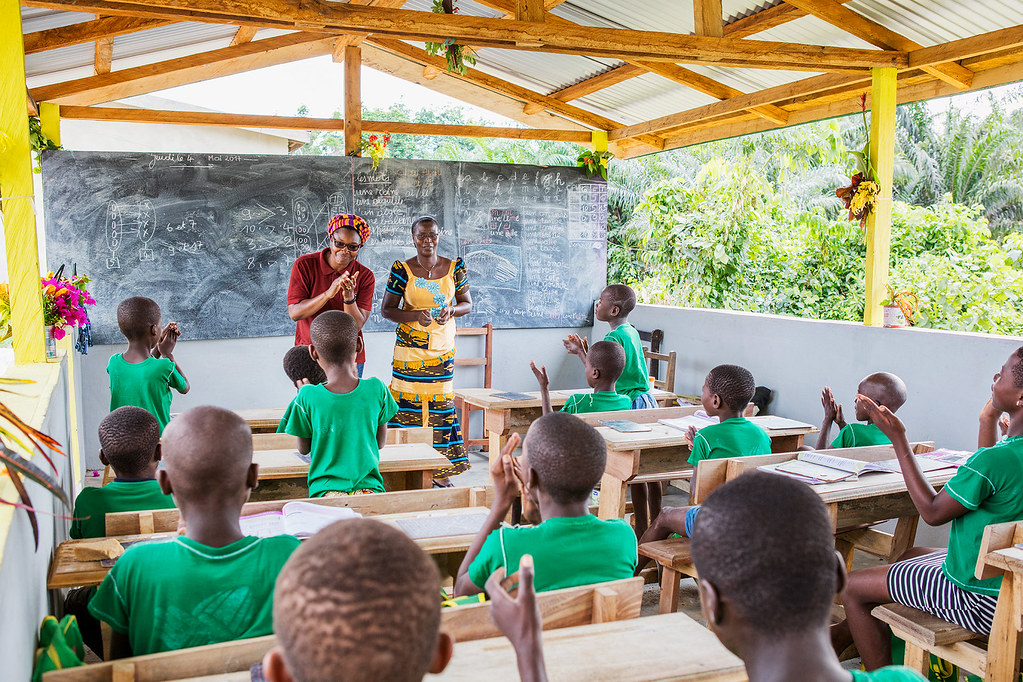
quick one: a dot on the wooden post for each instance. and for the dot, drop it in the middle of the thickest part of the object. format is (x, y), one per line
(353, 100)
(707, 19)
(529, 10)
(49, 118)
(879, 222)
(16, 192)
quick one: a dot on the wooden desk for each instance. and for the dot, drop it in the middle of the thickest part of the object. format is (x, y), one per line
(283, 473)
(663, 449)
(448, 550)
(262, 419)
(502, 417)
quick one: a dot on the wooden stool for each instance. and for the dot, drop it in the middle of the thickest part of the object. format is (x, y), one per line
(674, 558)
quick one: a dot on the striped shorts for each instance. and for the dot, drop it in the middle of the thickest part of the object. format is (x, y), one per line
(921, 584)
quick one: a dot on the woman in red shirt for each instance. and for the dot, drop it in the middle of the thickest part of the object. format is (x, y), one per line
(333, 279)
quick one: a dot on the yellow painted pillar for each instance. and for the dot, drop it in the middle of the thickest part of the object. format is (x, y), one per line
(49, 119)
(16, 192)
(598, 139)
(879, 222)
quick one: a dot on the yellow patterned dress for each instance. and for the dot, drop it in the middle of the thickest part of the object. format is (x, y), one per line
(422, 373)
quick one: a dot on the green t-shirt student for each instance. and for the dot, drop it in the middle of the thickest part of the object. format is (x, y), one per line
(93, 504)
(598, 401)
(343, 430)
(634, 380)
(145, 384)
(855, 435)
(567, 551)
(180, 593)
(891, 673)
(736, 437)
(990, 485)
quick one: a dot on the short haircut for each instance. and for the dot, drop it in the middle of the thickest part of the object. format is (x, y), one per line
(129, 436)
(298, 364)
(884, 388)
(733, 383)
(622, 296)
(334, 335)
(206, 453)
(136, 315)
(358, 601)
(608, 357)
(765, 542)
(424, 219)
(567, 454)
(1017, 371)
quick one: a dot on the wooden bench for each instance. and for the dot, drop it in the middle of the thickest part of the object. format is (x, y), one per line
(486, 361)
(573, 606)
(675, 559)
(166, 520)
(998, 658)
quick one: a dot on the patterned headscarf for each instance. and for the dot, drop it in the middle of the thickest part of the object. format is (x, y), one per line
(348, 221)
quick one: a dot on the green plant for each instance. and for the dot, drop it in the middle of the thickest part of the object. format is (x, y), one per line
(594, 162)
(39, 141)
(458, 57)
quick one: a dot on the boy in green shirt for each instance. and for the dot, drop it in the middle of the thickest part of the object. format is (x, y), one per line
(301, 368)
(145, 373)
(765, 552)
(987, 489)
(726, 393)
(342, 423)
(884, 389)
(604, 363)
(212, 584)
(562, 460)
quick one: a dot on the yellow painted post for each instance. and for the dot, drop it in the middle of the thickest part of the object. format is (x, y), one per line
(16, 192)
(49, 119)
(598, 138)
(879, 222)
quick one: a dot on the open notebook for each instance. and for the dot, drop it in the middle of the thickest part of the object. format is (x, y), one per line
(301, 519)
(819, 467)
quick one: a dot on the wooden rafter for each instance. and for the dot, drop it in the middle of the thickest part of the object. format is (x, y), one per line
(707, 19)
(87, 32)
(104, 55)
(183, 70)
(204, 118)
(595, 83)
(530, 10)
(243, 35)
(510, 34)
(765, 19)
(353, 100)
(881, 36)
(985, 43)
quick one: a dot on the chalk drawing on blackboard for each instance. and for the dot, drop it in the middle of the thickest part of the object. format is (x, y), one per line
(130, 219)
(491, 265)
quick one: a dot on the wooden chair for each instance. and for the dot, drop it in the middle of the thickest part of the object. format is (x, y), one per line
(997, 659)
(655, 357)
(166, 520)
(486, 361)
(585, 605)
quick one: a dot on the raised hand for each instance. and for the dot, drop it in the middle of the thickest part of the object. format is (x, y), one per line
(691, 435)
(832, 409)
(541, 375)
(334, 287)
(349, 284)
(299, 383)
(882, 418)
(502, 471)
(518, 618)
(168, 340)
(573, 344)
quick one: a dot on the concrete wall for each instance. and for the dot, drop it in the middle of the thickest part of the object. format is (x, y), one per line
(243, 373)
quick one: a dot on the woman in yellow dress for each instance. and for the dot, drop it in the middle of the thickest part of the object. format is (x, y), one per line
(424, 294)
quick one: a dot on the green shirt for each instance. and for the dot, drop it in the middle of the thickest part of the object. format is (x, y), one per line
(567, 551)
(598, 401)
(990, 486)
(854, 435)
(180, 593)
(891, 673)
(343, 430)
(634, 380)
(145, 384)
(736, 437)
(92, 504)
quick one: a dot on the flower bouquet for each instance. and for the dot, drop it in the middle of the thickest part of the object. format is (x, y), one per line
(64, 301)
(860, 196)
(376, 147)
(594, 163)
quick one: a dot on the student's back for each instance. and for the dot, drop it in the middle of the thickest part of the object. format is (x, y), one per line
(213, 584)
(563, 458)
(130, 443)
(726, 393)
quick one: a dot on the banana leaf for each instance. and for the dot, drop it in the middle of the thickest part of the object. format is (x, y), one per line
(32, 435)
(23, 494)
(15, 463)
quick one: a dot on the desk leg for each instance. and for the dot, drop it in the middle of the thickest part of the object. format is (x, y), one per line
(786, 443)
(612, 498)
(497, 441)
(419, 480)
(904, 536)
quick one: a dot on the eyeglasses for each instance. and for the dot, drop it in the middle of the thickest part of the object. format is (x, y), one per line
(435, 237)
(342, 246)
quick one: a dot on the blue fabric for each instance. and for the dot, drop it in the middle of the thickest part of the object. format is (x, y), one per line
(690, 520)
(361, 366)
(644, 401)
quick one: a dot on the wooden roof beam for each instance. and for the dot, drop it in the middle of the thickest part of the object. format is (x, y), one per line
(184, 70)
(593, 84)
(530, 10)
(205, 118)
(509, 34)
(104, 55)
(764, 19)
(880, 36)
(707, 20)
(87, 32)
(243, 35)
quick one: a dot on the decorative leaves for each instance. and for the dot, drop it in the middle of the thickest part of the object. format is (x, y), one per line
(458, 57)
(594, 162)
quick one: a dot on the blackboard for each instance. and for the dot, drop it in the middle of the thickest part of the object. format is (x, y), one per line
(212, 237)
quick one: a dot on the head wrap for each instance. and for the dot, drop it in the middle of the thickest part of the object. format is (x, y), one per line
(348, 221)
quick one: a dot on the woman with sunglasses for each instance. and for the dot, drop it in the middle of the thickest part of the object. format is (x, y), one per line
(333, 279)
(424, 294)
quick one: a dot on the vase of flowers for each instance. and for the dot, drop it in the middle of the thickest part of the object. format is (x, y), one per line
(64, 302)
(376, 147)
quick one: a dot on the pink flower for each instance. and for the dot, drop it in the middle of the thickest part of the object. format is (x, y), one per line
(58, 333)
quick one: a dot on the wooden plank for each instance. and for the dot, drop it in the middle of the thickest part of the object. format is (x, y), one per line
(529, 10)
(509, 34)
(1002, 39)
(244, 34)
(483, 397)
(87, 32)
(275, 464)
(593, 84)
(707, 19)
(353, 100)
(104, 55)
(183, 70)
(920, 626)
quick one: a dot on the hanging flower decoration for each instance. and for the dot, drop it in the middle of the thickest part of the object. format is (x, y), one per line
(860, 196)
(458, 57)
(64, 301)
(594, 163)
(376, 147)
(908, 302)
(39, 141)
